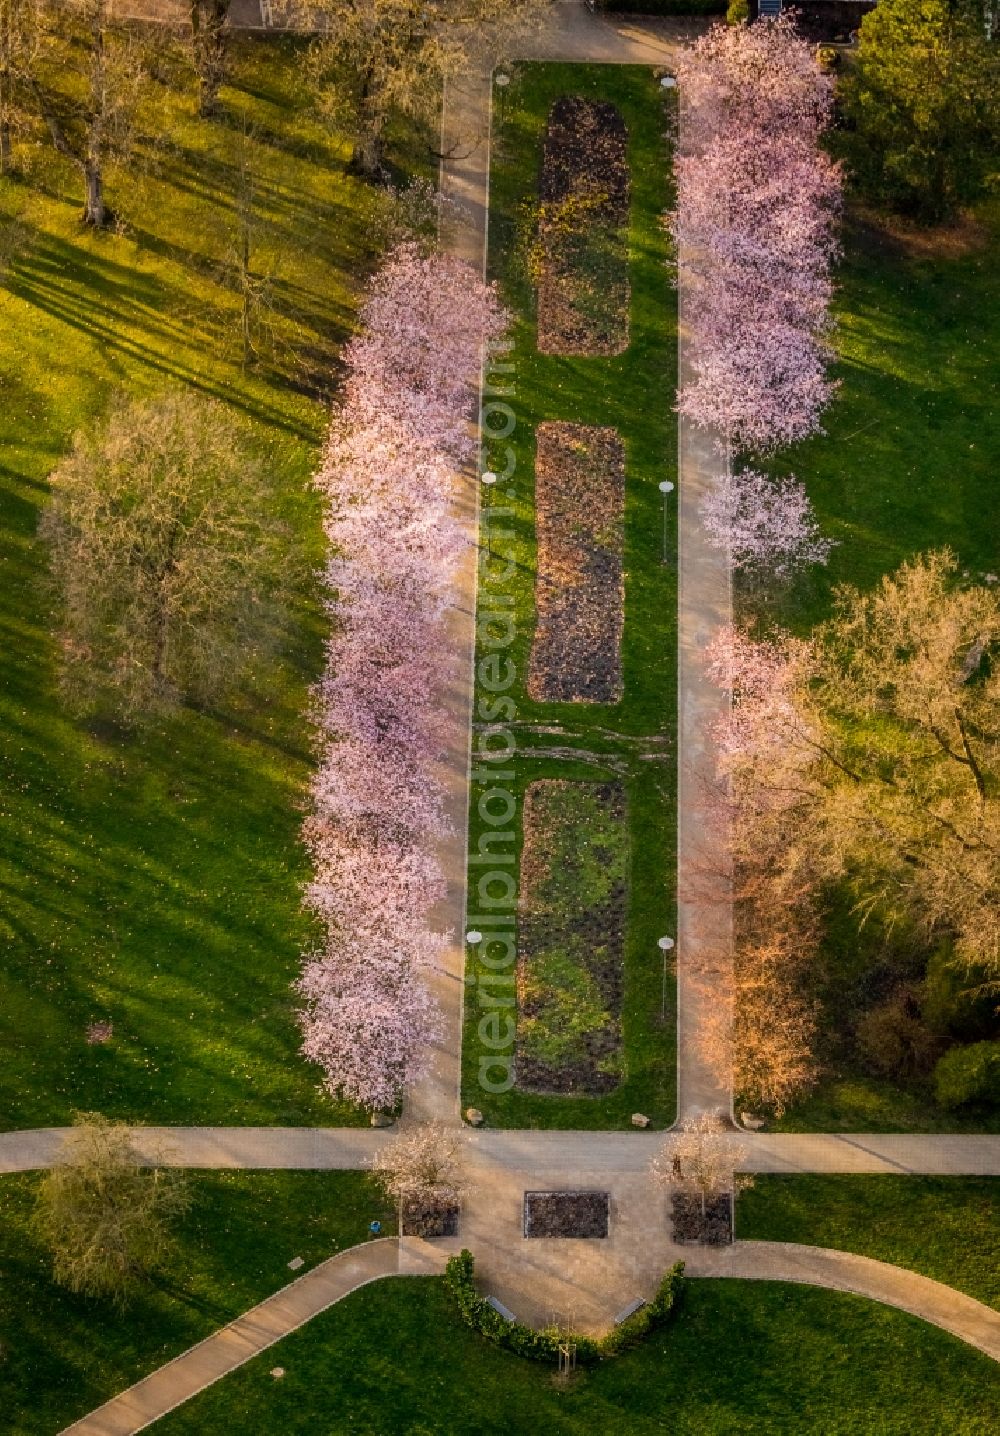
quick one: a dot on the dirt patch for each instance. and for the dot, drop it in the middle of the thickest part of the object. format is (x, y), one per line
(579, 584)
(566, 1214)
(713, 1227)
(571, 937)
(579, 251)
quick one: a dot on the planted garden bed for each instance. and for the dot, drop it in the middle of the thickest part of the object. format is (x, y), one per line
(579, 249)
(566, 1214)
(429, 1218)
(579, 586)
(572, 913)
(711, 1227)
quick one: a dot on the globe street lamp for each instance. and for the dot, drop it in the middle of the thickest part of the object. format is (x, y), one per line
(665, 944)
(502, 80)
(666, 487)
(488, 479)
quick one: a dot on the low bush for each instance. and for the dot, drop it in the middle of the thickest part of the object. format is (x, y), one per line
(544, 1345)
(968, 1074)
(738, 12)
(892, 1040)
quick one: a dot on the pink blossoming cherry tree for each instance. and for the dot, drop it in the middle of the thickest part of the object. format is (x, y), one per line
(396, 446)
(767, 525)
(757, 203)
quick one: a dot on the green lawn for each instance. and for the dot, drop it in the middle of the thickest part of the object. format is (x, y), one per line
(64, 1354)
(947, 1228)
(738, 1357)
(909, 462)
(634, 394)
(154, 879)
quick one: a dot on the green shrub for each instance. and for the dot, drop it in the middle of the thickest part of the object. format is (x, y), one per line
(738, 12)
(544, 1345)
(968, 1074)
(954, 1001)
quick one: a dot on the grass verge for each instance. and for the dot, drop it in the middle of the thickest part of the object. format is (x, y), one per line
(152, 879)
(63, 1354)
(736, 1357)
(947, 1228)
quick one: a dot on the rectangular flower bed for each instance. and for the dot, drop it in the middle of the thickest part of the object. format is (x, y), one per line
(428, 1219)
(711, 1227)
(571, 937)
(579, 582)
(579, 250)
(583, 1214)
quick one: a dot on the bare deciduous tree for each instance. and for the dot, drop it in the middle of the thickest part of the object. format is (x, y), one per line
(379, 57)
(104, 1215)
(87, 85)
(167, 556)
(209, 40)
(19, 41)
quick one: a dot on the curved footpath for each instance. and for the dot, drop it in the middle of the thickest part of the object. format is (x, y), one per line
(942, 1305)
(241, 1340)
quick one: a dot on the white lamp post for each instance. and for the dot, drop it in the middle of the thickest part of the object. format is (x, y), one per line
(501, 79)
(665, 944)
(666, 487)
(488, 479)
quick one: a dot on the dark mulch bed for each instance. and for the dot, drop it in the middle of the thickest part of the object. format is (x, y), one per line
(566, 1214)
(583, 281)
(713, 1228)
(579, 584)
(571, 937)
(429, 1220)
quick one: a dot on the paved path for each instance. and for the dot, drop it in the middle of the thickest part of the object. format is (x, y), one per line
(704, 885)
(604, 1155)
(241, 1340)
(963, 1316)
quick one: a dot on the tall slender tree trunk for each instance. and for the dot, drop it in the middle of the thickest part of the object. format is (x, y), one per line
(94, 211)
(210, 39)
(5, 157)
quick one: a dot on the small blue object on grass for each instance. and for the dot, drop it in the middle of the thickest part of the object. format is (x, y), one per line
(375, 1228)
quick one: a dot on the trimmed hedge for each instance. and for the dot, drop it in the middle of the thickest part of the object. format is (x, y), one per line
(665, 7)
(544, 1345)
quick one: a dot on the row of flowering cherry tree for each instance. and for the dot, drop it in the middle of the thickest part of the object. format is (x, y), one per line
(398, 441)
(755, 226)
(757, 204)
